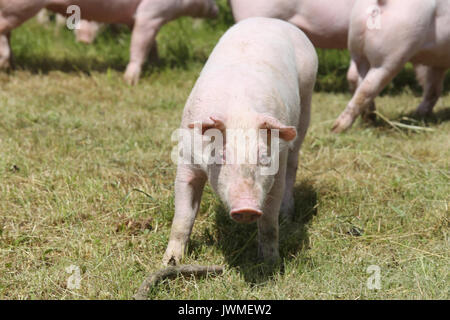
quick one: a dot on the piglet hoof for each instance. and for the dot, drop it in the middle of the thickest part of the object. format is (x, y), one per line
(423, 112)
(342, 123)
(369, 117)
(5, 63)
(5, 54)
(132, 74)
(287, 211)
(268, 255)
(173, 254)
(270, 260)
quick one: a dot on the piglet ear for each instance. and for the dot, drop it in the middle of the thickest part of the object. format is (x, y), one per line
(209, 123)
(287, 133)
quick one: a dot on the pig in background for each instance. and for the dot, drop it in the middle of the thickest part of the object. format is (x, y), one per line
(260, 75)
(325, 22)
(145, 17)
(86, 31)
(408, 30)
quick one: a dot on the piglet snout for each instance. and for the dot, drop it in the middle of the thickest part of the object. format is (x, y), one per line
(245, 215)
(243, 201)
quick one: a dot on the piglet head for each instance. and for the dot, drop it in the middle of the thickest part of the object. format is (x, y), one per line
(243, 151)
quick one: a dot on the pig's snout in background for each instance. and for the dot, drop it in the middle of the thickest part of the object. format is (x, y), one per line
(87, 31)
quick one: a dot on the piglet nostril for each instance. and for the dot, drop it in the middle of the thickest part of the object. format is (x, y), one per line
(245, 215)
(237, 216)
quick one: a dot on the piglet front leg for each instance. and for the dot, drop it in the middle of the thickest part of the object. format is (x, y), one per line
(5, 52)
(189, 186)
(268, 225)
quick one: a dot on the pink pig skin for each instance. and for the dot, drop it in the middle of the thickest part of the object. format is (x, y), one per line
(409, 30)
(87, 31)
(261, 74)
(146, 17)
(12, 14)
(325, 22)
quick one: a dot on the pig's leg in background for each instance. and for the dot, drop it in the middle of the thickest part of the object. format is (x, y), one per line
(143, 36)
(189, 186)
(268, 225)
(372, 84)
(145, 29)
(361, 69)
(5, 51)
(10, 20)
(432, 86)
(352, 76)
(421, 74)
(5, 47)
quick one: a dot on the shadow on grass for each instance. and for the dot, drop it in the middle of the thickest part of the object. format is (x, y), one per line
(105, 54)
(443, 115)
(87, 65)
(45, 65)
(412, 122)
(238, 242)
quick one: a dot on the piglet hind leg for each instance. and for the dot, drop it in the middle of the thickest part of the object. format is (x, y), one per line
(432, 84)
(357, 75)
(373, 83)
(352, 76)
(142, 39)
(368, 114)
(15, 14)
(189, 186)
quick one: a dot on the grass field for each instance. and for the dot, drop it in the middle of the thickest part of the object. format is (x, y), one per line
(86, 180)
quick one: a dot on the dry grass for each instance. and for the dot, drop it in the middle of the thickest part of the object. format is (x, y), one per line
(77, 149)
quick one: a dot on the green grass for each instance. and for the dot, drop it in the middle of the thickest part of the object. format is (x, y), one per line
(77, 145)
